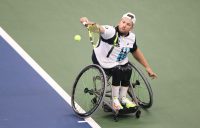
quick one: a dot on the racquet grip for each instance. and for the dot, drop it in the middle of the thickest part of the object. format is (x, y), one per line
(84, 23)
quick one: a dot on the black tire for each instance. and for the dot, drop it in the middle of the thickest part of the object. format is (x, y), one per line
(88, 90)
(138, 113)
(142, 88)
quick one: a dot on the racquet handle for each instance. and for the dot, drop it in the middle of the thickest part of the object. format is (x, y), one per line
(85, 24)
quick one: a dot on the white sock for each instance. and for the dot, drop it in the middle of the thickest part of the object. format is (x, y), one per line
(123, 91)
(115, 91)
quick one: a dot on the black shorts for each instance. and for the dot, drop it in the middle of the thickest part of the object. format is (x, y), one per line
(120, 74)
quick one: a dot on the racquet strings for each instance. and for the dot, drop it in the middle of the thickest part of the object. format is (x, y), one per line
(93, 31)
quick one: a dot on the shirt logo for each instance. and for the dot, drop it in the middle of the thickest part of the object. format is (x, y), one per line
(123, 54)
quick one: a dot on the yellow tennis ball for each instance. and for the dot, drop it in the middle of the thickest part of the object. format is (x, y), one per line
(77, 37)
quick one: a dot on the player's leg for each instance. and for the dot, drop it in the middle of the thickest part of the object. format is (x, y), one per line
(116, 79)
(126, 72)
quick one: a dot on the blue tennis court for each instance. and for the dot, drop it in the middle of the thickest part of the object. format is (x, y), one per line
(30, 98)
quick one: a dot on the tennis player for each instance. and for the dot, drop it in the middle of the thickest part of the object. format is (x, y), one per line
(111, 54)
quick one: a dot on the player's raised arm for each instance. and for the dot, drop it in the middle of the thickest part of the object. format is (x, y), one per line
(86, 21)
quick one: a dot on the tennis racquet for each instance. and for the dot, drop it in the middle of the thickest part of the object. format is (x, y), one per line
(93, 33)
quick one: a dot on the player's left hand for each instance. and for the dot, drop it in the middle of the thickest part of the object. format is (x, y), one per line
(151, 73)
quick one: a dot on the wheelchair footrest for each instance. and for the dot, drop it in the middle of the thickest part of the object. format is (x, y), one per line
(125, 110)
(128, 110)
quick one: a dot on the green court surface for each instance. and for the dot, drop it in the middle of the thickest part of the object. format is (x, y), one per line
(167, 32)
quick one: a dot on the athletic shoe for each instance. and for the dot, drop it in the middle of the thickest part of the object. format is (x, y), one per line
(116, 104)
(128, 103)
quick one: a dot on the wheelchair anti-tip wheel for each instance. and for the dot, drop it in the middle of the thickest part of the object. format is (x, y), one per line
(88, 90)
(141, 87)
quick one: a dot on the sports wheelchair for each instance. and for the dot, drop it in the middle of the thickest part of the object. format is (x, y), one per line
(92, 88)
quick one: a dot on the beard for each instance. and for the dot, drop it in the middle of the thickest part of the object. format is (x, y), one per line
(123, 31)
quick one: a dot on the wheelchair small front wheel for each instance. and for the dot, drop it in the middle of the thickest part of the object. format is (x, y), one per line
(88, 90)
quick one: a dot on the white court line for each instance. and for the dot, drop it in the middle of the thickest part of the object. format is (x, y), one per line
(42, 73)
(82, 121)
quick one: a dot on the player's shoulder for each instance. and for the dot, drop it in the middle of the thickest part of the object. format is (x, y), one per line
(131, 37)
(109, 27)
(109, 31)
(131, 34)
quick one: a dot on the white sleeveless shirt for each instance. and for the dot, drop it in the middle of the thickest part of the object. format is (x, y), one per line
(108, 57)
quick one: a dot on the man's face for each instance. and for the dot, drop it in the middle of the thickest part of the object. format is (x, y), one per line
(125, 25)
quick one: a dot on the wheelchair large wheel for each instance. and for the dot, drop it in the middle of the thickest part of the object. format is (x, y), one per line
(141, 87)
(88, 90)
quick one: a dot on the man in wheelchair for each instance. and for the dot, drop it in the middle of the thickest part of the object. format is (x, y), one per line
(111, 54)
